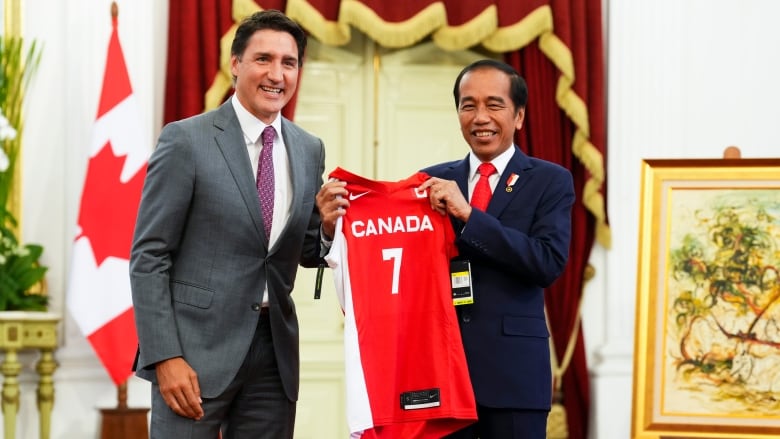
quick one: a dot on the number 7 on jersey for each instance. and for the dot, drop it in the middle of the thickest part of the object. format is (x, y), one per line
(395, 255)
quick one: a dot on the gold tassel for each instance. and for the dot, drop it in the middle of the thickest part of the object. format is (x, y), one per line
(557, 428)
(557, 425)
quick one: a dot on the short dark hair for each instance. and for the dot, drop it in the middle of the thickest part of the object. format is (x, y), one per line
(518, 90)
(268, 19)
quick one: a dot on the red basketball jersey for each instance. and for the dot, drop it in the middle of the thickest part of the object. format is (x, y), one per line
(405, 367)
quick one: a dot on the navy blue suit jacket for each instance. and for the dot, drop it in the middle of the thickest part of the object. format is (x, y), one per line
(516, 248)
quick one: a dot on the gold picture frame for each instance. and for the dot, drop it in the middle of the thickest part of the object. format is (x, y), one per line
(707, 337)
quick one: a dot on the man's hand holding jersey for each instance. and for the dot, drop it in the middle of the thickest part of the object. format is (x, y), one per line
(331, 201)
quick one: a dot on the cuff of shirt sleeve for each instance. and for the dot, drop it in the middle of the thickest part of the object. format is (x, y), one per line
(326, 243)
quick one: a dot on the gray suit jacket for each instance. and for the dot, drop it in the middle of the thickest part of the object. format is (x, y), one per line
(199, 258)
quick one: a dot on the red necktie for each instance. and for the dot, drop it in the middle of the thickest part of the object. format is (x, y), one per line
(482, 193)
(265, 179)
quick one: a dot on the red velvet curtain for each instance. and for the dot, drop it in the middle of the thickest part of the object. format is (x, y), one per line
(194, 31)
(548, 135)
(557, 46)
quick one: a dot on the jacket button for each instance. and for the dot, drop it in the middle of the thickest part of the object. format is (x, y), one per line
(466, 318)
(255, 307)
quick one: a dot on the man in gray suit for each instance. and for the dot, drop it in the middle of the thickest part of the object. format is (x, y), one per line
(217, 328)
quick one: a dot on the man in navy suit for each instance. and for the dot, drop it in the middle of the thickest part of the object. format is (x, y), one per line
(516, 247)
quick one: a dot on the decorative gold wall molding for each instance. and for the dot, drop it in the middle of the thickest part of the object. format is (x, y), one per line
(12, 17)
(12, 27)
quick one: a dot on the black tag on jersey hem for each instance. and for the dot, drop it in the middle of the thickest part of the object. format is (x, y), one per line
(421, 399)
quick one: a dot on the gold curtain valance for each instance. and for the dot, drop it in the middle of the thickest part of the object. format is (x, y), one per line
(499, 26)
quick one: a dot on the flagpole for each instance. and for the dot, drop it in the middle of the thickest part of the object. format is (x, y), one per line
(123, 422)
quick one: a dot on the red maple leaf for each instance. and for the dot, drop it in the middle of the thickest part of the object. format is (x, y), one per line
(108, 206)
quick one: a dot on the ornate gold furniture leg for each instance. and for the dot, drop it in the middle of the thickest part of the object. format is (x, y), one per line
(45, 368)
(10, 369)
(27, 330)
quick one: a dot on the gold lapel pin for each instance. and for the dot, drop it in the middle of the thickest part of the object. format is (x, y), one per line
(511, 182)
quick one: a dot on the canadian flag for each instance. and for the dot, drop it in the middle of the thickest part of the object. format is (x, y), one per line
(98, 295)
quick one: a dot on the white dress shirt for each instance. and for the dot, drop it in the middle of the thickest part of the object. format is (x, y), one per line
(253, 128)
(499, 162)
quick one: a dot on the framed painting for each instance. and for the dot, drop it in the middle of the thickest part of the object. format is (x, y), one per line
(707, 337)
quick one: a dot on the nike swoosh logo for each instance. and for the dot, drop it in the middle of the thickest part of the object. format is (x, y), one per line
(353, 197)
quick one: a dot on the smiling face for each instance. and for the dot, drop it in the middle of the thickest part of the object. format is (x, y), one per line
(488, 117)
(266, 73)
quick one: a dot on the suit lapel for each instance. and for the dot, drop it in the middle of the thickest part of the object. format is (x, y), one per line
(503, 193)
(459, 172)
(230, 141)
(461, 176)
(296, 157)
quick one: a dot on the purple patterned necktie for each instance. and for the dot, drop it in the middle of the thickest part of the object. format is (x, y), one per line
(265, 179)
